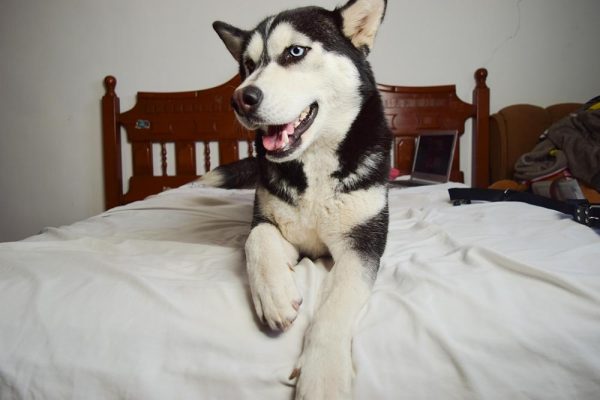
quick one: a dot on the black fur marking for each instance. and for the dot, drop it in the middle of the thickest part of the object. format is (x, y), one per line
(368, 135)
(286, 181)
(257, 216)
(232, 37)
(250, 65)
(369, 240)
(239, 174)
(264, 57)
(320, 25)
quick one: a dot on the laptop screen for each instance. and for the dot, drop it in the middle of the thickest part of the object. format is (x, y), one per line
(433, 156)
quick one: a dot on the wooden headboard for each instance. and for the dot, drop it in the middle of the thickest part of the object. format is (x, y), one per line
(191, 123)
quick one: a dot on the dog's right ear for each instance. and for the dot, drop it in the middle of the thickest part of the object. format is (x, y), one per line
(232, 37)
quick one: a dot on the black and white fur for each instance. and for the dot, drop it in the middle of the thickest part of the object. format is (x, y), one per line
(320, 173)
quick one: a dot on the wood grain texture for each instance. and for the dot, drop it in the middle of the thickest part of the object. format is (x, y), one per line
(205, 116)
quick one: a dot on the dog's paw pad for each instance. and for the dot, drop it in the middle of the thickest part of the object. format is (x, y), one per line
(277, 301)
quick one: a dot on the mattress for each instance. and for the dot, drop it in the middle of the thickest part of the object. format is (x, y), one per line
(151, 301)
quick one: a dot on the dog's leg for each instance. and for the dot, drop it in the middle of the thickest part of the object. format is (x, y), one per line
(325, 368)
(270, 259)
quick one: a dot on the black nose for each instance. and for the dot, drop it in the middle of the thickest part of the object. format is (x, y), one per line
(246, 100)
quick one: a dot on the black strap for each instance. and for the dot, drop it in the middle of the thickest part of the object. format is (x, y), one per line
(581, 210)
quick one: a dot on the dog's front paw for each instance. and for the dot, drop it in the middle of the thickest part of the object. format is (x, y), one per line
(324, 372)
(275, 295)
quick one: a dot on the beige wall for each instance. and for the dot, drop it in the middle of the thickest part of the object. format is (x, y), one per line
(54, 54)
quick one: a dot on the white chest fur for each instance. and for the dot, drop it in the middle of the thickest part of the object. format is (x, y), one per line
(322, 216)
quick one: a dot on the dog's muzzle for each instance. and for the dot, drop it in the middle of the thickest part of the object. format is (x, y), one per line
(279, 140)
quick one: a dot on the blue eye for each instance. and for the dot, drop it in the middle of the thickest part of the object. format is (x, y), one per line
(293, 54)
(297, 51)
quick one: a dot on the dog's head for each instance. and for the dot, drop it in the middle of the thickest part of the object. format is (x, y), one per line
(303, 72)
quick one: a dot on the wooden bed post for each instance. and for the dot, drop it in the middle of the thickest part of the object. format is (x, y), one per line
(480, 166)
(111, 144)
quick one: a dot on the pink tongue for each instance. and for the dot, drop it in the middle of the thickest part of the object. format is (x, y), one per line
(276, 137)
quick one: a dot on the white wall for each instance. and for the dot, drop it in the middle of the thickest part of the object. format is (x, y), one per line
(54, 55)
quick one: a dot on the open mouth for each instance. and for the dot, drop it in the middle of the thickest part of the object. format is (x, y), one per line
(280, 140)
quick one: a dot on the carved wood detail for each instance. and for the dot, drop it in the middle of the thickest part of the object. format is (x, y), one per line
(142, 159)
(411, 110)
(207, 156)
(204, 116)
(185, 158)
(163, 159)
(228, 151)
(250, 148)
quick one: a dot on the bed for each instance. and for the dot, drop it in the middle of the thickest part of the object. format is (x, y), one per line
(149, 300)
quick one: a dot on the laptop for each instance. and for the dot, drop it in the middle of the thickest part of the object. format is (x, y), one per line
(434, 153)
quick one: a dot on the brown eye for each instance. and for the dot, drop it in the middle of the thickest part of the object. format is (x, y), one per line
(250, 65)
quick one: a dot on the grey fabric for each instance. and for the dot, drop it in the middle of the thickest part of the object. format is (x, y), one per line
(578, 136)
(539, 162)
(578, 139)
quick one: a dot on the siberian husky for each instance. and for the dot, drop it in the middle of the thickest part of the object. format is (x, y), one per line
(321, 171)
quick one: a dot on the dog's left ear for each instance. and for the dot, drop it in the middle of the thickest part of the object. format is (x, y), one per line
(361, 20)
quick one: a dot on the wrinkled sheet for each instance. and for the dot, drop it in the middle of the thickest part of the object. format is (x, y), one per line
(151, 301)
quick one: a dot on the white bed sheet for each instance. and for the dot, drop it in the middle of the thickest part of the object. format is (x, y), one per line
(151, 301)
